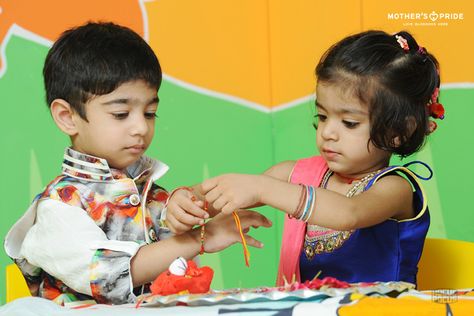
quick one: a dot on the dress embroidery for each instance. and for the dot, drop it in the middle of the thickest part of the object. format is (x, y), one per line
(320, 239)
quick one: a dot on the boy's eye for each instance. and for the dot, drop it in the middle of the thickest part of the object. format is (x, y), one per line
(350, 124)
(120, 115)
(151, 115)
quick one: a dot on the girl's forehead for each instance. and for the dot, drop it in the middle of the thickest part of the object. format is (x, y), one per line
(338, 96)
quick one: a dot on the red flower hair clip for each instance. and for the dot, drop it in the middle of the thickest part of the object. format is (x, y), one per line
(403, 43)
(435, 110)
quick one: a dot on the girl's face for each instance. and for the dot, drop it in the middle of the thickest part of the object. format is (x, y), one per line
(343, 132)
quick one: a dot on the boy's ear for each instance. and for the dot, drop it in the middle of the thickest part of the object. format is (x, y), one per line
(63, 115)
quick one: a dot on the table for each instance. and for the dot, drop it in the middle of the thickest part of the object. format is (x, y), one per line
(345, 303)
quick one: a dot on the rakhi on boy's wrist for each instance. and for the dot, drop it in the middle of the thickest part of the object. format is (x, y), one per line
(201, 238)
(203, 231)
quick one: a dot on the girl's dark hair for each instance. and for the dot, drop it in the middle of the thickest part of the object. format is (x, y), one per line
(395, 83)
(94, 59)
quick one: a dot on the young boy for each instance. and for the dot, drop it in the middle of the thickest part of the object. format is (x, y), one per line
(93, 232)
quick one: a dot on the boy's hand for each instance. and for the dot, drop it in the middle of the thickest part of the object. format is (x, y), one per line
(230, 192)
(222, 232)
(184, 211)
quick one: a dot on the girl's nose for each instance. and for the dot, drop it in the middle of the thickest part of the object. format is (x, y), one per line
(329, 130)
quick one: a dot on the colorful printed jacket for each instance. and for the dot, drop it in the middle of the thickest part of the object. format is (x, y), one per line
(76, 240)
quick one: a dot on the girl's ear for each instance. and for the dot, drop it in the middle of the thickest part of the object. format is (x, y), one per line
(411, 127)
(63, 115)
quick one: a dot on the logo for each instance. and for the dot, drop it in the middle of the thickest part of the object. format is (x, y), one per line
(432, 18)
(444, 296)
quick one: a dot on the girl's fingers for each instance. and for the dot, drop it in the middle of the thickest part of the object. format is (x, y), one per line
(219, 203)
(213, 195)
(208, 185)
(229, 208)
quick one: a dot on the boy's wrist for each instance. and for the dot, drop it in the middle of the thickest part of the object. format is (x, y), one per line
(194, 238)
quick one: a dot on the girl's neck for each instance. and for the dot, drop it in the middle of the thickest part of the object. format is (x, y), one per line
(346, 179)
(350, 179)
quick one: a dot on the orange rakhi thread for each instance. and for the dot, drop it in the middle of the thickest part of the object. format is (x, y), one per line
(244, 243)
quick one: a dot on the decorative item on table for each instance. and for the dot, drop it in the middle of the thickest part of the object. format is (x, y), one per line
(183, 277)
(314, 284)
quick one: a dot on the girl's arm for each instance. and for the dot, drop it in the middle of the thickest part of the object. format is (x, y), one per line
(390, 197)
(183, 213)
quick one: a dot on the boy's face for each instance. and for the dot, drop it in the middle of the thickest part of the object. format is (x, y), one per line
(120, 124)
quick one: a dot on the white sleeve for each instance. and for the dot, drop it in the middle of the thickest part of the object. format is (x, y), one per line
(63, 241)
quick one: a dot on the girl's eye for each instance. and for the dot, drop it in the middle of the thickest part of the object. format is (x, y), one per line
(318, 118)
(321, 117)
(151, 115)
(350, 124)
(120, 115)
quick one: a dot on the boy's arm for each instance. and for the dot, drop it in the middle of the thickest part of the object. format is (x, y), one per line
(67, 244)
(220, 233)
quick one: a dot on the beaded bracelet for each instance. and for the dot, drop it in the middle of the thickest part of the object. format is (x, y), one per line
(203, 233)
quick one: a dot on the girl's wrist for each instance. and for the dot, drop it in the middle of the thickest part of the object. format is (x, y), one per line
(264, 184)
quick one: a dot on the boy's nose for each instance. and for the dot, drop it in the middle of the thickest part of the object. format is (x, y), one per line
(139, 126)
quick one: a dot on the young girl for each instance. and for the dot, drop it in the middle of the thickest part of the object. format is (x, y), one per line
(350, 214)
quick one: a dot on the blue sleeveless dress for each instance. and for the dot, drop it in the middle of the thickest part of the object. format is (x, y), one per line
(388, 251)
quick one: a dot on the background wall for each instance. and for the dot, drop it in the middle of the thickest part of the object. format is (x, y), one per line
(237, 97)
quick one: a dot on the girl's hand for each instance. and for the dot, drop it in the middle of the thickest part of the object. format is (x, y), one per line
(230, 192)
(222, 232)
(184, 211)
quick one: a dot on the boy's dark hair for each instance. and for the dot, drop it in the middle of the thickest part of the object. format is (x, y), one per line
(94, 59)
(395, 83)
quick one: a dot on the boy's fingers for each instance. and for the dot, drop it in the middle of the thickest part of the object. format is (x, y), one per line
(190, 207)
(254, 219)
(177, 227)
(186, 218)
(253, 242)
